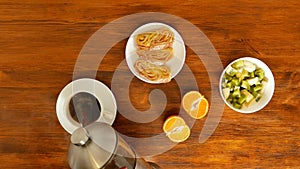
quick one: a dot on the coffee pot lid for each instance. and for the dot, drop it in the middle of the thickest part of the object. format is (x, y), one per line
(103, 135)
(92, 146)
(80, 137)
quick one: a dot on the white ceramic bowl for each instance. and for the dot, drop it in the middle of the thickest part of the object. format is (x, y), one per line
(267, 93)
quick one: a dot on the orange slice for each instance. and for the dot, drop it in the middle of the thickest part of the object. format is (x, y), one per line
(179, 134)
(195, 104)
(172, 122)
(176, 129)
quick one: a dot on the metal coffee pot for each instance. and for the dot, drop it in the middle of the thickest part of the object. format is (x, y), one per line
(99, 146)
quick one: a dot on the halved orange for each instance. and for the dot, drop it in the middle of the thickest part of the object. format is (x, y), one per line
(176, 129)
(180, 134)
(195, 104)
(172, 122)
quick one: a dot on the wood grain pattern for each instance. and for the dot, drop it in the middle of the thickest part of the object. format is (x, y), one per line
(40, 42)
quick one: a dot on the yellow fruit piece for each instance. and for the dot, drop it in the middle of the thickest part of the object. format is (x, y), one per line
(180, 134)
(172, 122)
(195, 104)
(176, 129)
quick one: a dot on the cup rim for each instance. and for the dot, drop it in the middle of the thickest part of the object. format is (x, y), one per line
(100, 91)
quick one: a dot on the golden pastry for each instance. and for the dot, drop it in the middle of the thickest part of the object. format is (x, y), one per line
(153, 72)
(155, 40)
(158, 57)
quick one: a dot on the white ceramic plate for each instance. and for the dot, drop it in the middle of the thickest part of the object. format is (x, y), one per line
(97, 89)
(267, 93)
(175, 64)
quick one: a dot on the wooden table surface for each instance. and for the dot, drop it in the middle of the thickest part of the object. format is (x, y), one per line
(41, 40)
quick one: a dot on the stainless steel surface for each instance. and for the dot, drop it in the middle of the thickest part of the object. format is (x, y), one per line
(96, 152)
(79, 137)
(98, 146)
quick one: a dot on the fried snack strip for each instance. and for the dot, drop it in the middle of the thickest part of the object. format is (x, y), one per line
(155, 40)
(153, 72)
(158, 57)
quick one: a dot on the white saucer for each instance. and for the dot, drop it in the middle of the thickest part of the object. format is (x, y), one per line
(97, 89)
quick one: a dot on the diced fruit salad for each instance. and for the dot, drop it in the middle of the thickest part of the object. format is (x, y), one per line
(243, 82)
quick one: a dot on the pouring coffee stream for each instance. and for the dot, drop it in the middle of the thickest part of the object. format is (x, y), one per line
(84, 108)
(97, 145)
